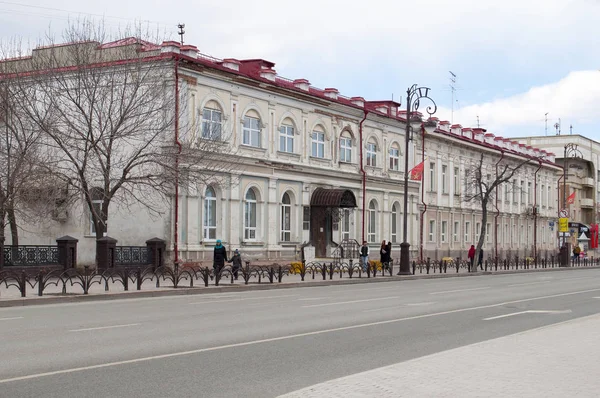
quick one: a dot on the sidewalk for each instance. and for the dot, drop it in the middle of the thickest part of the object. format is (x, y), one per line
(560, 360)
(10, 296)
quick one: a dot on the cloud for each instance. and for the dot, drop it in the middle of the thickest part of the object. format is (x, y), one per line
(575, 99)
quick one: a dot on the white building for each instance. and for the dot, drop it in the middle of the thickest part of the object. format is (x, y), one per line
(314, 166)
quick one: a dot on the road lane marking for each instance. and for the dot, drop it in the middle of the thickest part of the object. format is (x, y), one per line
(349, 302)
(461, 290)
(528, 283)
(397, 306)
(11, 319)
(280, 338)
(313, 298)
(527, 312)
(243, 299)
(105, 327)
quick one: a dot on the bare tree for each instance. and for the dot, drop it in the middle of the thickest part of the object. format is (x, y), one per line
(483, 178)
(107, 111)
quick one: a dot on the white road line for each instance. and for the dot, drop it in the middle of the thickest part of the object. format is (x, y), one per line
(349, 302)
(105, 327)
(528, 283)
(397, 306)
(313, 298)
(11, 319)
(461, 290)
(417, 304)
(243, 299)
(527, 312)
(280, 338)
(596, 297)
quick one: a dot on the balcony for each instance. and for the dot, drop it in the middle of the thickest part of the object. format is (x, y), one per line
(588, 182)
(587, 203)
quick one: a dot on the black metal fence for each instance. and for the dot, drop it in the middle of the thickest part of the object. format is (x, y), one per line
(30, 255)
(132, 255)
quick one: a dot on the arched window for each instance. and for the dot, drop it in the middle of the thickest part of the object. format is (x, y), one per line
(286, 218)
(210, 214)
(251, 129)
(372, 222)
(346, 221)
(372, 153)
(97, 196)
(394, 157)
(286, 136)
(212, 121)
(394, 223)
(345, 147)
(250, 215)
(318, 143)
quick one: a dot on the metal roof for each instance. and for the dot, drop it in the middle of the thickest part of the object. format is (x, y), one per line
(323, 197)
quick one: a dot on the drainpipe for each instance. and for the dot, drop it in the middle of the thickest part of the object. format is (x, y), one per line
(535, 211)
(178, 144)
(497, 210)
(422, 197)
(364, 174)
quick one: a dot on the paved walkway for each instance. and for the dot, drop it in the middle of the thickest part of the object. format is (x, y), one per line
(561, 360)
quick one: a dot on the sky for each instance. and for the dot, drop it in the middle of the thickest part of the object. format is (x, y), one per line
(517, 62)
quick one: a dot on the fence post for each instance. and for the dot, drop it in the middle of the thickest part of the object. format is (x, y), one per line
(156, 252)
(1, 252)
(67, 251)
(105, 252)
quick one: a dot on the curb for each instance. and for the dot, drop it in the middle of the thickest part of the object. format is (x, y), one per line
(19, 302)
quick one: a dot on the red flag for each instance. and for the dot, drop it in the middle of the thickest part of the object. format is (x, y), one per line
(571, 198)
(416, 174)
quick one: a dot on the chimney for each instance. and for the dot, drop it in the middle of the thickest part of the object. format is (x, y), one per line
(331, 93)
(302, 84)
(169, 47)
(268, 74)
(231, 63)
(189, 51)
(358, 101)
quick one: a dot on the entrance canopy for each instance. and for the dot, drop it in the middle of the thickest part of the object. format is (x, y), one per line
(323, 197)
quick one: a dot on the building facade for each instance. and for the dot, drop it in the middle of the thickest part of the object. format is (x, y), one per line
(308, 167)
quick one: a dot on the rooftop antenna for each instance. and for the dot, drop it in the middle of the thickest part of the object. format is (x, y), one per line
(557, 127)
(452, 90)
(181, 32)
(571, 129)
(478, 121)
(546, 129)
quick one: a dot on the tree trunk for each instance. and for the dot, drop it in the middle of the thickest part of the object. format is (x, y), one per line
(14, 230)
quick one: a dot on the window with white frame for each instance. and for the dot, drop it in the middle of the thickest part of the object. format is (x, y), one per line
(318, 144)
(529, 194)
(522, 192)
(477, 232)
(444, 175)
(371, 154)
(372, 222)
(345, 149)
(456, 228)
(251, 127)
(250, 215)
(97, 195)
(394, 223)
(456, 181)
(549, 197)
(432, 230)
(286, 138)
(487, 232)
(514, 191)
(467, 231)
(444, 230)
(543, 196)
(212, 123)
(210, 214)
(346, 224)
(286, 218)
(394, 158)
(522, 234)
(432, 177)
(505, 237)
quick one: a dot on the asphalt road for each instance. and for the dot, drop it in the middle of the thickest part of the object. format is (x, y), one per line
(267, 343)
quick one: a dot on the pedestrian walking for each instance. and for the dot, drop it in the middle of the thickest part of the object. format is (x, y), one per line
(576, 251)
(480, 261)
(236, 261)
(471, 256)
(389, 254)
(364, 256)
(219, 257)
(384, 255)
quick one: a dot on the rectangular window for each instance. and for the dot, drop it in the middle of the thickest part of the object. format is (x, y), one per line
(456, 181)
(394, 159)
(543, 196)
(210, 218)
(506, 193)
(444, 230)
(456, 227)
(394, 224)
(505, 237)
(250, 220)
(346, 225)
(522, 192)
(286, 222)
(306, 218)
(529, 194)
(371, 154)
(549, 197)
(345, 149)
(444, 170)
(487, 232)
(371, 227)
(514, 191)
(431, 231)
(467, 232)
(286, 139)
(318, 144)
(432, 177)
(477, 231)
(97, 205)
(211, 124)
(251, 131)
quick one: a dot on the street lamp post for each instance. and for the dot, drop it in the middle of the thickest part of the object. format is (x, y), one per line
(414, 95)
(571, 151)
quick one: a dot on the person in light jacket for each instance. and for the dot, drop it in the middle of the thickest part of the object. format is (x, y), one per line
(364, 256)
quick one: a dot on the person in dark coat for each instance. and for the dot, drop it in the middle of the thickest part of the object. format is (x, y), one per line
(219, 258)
(480, 261)
(236, 261)
(384, 256)
(389, 254)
